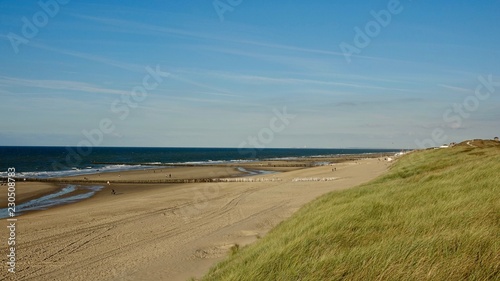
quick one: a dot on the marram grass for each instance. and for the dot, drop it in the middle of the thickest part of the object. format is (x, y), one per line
(434, 216)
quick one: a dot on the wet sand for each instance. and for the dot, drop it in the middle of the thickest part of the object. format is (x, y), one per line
(155, 174)
(26, 191)
(166, 231)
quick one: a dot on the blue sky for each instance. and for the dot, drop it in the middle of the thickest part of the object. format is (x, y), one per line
(67, 67)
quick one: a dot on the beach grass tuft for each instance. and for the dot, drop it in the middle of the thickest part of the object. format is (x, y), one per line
(235, 249)
(435, 215)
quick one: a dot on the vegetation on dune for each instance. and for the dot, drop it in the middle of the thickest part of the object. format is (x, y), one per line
(434, 216)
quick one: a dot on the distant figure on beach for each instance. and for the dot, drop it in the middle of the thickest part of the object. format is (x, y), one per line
(108, 183)
(113, 191)
(169, 175)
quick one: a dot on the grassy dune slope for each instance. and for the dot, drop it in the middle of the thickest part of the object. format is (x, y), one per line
(434, 216)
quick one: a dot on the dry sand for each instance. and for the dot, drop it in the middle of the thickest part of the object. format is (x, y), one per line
(165, 231)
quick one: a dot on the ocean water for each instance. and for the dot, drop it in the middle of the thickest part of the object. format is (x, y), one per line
(44, 162)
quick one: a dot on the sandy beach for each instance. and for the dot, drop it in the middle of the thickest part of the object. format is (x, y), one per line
(26, 191)
(165, 231)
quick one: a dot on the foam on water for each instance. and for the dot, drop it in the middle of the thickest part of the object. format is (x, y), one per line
(78, 172)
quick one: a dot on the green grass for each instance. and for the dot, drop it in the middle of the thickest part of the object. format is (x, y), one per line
(434, 216)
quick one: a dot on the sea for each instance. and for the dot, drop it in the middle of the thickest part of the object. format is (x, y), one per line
(47, 162)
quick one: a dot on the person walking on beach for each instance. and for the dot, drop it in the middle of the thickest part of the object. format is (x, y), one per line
(113, 192)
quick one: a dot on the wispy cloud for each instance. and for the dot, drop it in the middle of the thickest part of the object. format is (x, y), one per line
(187, 96)
(293, 48)
(347, 104)
(59, 85)
(5, 92)
(289, 48)
(191, 99)
(91, 57)
(201, 85)
(291, 60)
(215, 94)
(296, 81)
(459, 89)
(84, 56)
(139, 27)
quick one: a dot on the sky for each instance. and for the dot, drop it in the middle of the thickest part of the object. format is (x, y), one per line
(240, 73)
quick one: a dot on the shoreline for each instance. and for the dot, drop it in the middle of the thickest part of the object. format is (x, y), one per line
(281, 164)
(37, 187)
(166, 231)
(46, 187)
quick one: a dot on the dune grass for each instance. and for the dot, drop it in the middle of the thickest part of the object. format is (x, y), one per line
(434, 216)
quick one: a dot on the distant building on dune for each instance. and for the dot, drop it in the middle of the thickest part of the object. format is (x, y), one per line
(496, 138)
